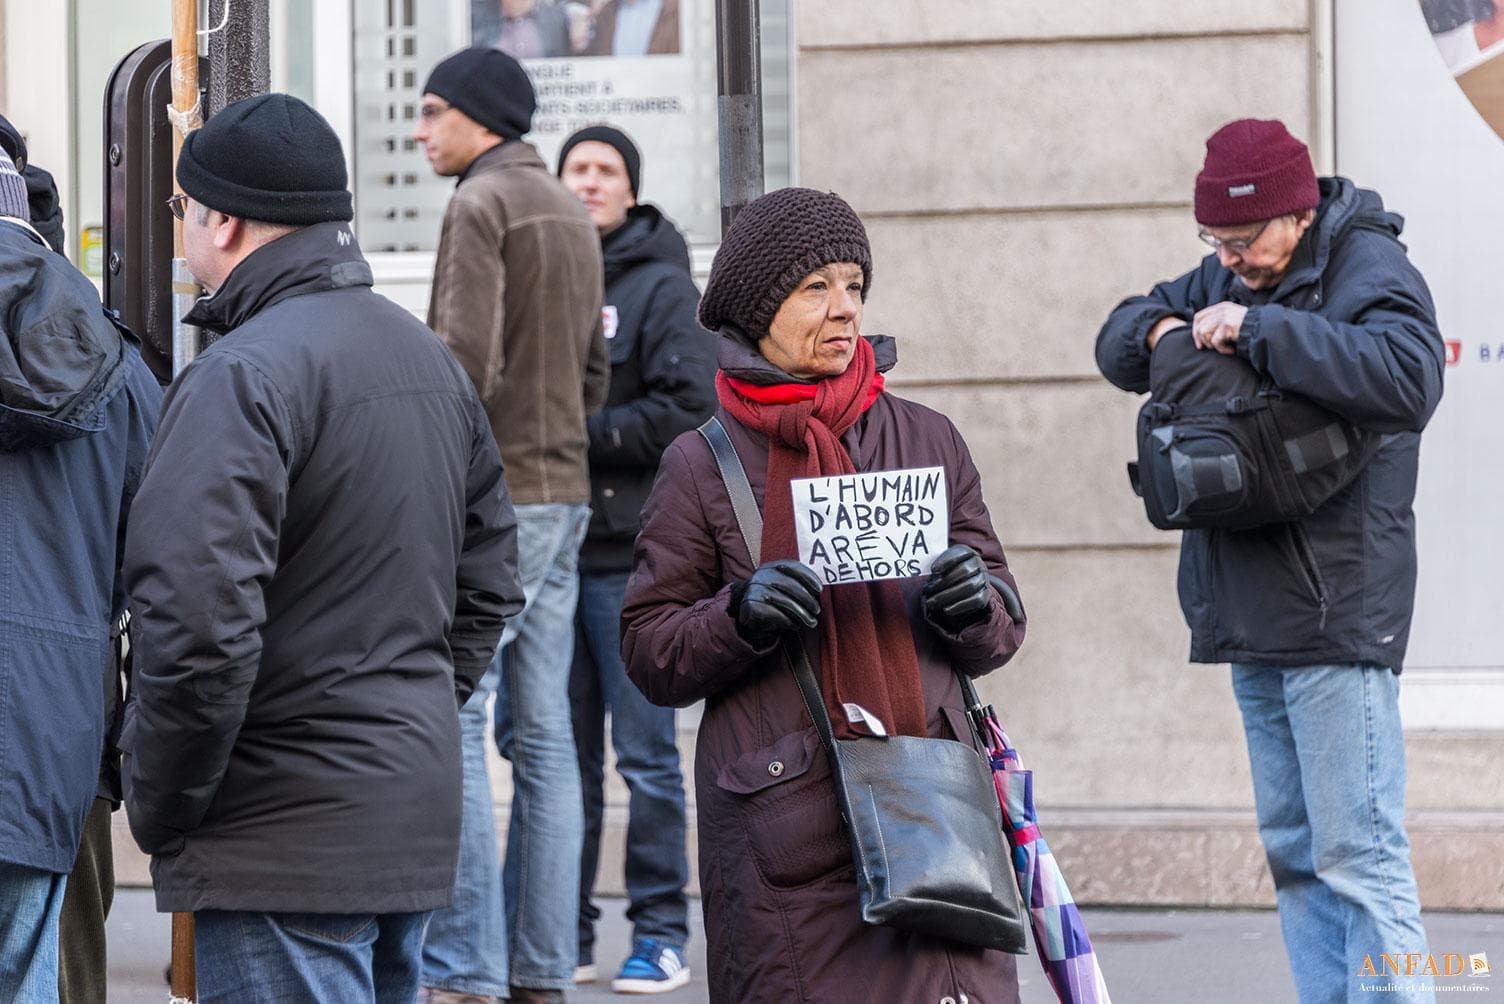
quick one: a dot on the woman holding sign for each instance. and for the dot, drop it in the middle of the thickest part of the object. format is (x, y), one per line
(802, 396)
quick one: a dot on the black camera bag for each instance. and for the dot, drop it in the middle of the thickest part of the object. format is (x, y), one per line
(1220, 446)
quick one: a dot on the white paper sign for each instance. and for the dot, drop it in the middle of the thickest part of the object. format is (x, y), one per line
(863, 527)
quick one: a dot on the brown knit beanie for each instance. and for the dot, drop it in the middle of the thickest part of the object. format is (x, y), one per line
(1254, 171)
(777, 240)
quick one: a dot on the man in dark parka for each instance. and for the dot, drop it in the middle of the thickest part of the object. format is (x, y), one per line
(320, 563)
(1310, 284)
(662, 384)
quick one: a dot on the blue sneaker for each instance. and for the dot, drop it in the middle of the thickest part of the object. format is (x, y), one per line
(654, 968)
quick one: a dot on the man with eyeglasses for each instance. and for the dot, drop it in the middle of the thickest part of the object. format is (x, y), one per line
(1310, 285)
(319, 561)
(517, 291)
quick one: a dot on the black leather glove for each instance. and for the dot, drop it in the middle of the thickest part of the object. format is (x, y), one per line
(958, 593)
(780, 596)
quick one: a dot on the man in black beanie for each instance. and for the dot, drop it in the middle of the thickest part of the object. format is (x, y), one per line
(517, 297)
(662, 384)
(320, 562)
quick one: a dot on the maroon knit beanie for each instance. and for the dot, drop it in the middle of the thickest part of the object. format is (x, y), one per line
(1254, 171)
(774, 242)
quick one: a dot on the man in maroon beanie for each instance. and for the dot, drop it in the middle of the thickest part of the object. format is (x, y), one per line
(1309, 284)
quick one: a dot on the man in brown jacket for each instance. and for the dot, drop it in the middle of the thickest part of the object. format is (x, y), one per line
(517, 293)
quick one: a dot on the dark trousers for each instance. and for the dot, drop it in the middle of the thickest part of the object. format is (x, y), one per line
(81, 964)
(647, 757)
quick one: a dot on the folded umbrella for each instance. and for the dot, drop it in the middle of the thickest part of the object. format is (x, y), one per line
(1059, 932)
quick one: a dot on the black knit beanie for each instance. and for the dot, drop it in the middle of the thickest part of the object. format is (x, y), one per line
(271, 158)
(614, 138)
(490, 87)
(777, 240)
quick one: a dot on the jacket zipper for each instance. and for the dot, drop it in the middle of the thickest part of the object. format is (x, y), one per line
(1307, 559)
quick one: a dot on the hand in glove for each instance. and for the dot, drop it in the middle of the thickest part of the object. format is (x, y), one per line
(959, 593)
(781, 596)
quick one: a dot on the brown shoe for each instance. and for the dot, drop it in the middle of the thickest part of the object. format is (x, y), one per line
(532, 995)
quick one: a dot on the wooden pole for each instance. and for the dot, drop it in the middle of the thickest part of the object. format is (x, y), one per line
(185, 100)
(188, 116)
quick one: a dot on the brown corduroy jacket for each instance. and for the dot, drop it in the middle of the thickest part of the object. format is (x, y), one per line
(517, 292)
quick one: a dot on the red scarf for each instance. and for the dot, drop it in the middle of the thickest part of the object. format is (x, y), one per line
(866, 649)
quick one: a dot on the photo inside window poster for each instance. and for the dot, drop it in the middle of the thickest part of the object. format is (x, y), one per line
(553, 29)
(658, 86)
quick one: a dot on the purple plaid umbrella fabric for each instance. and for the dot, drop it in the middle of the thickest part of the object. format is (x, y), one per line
(1059, 932)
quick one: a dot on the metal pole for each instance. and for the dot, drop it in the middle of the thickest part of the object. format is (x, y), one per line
(240, 63)
(738, 46)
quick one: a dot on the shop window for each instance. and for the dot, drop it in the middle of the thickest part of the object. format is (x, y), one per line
(662, 93)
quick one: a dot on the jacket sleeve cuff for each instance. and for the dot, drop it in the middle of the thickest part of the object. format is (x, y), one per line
(1250, 333)
(977, 632)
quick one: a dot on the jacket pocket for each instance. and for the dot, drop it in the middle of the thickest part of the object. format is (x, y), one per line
(618, 498)
(786, 804)
(959, 727)
(1305, 561)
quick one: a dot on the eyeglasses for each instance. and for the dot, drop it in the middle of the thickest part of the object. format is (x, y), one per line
(178, 206)
(1238, 245)
(430, 112)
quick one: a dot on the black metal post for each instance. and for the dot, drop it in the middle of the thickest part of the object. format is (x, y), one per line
(738, 46)
(240, 52)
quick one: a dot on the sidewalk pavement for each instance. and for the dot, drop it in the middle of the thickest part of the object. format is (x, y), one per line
(1148, 956)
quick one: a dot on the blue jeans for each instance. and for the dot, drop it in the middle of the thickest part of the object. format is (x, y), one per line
(647, 756)
(307, 958)
(467, 947)
(1328, 759)
(30, 902)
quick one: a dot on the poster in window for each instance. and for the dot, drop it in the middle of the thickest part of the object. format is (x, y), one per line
(646, 67)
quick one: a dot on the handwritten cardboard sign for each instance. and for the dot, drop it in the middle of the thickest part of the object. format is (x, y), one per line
(862, 527)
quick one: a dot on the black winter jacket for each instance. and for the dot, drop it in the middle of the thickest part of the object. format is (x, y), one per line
(320, 561)
(662, 378)
(1350, 326)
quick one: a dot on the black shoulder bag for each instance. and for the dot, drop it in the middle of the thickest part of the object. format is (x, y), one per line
(922, 814)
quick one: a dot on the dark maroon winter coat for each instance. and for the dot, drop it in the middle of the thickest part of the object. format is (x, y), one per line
(776, 873)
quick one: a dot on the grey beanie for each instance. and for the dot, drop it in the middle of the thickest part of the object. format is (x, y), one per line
(13, 200)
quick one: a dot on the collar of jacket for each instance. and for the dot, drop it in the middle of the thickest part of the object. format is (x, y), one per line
(646, 236)
(1344, 206)
(739, 359)
(507, 153)
(313, 259)
(25, 225)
